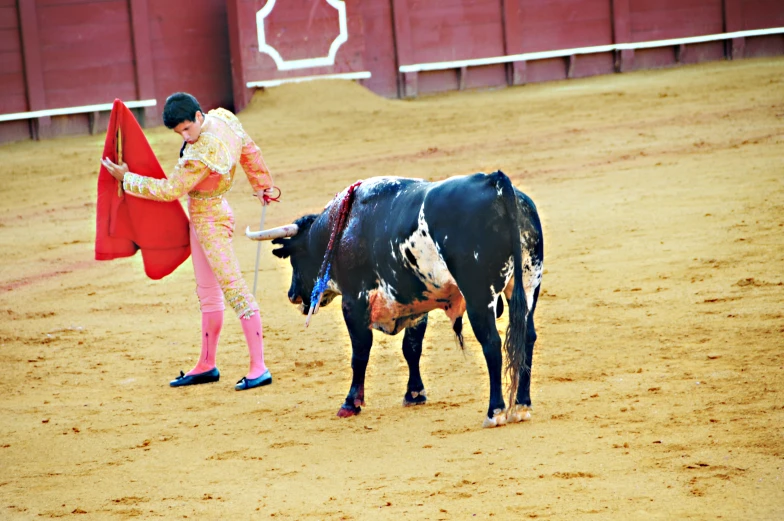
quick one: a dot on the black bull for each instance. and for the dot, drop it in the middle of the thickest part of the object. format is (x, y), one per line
(410, 246)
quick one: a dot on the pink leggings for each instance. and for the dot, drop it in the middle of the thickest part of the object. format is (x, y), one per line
(214, 261)
(207, 287)
(211, 299)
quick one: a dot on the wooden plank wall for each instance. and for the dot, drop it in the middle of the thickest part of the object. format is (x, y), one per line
(759, 14)
(457, 30)
(67, 53)
(13, 89)
(86, 51)
(189, 42)
(297, 30)
(435, 32)
(562, 24)
(664, 19)
(380, 58)
(86, 57)
(61, 53)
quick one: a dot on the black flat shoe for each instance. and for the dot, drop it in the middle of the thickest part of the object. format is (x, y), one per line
(245, 383)
(213, 375)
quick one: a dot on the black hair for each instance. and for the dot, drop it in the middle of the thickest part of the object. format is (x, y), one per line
(180, 107)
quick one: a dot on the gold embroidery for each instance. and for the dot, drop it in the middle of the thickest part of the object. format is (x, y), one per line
(230, 120)
(213, 223)
(220, 147)
(136, 184)
(210, 150)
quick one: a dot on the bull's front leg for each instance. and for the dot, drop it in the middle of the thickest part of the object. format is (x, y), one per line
(412, 351)
(356, 316)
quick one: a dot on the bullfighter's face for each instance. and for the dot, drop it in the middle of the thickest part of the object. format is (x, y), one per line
(190, 130)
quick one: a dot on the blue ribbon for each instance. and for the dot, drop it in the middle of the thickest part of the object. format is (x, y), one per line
(320, 287)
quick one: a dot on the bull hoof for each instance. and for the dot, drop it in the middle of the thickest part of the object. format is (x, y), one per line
(498, 419)
(414, 398)
(518, 413)
(347, 411)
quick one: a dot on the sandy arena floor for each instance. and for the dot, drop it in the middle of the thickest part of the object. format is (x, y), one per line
(658, 376)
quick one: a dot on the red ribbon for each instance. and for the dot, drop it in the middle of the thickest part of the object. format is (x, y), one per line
(269, 198)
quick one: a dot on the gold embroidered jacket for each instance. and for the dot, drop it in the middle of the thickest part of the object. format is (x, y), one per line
(207, 167)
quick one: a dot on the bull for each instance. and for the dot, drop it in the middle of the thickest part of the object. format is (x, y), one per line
(408, 247)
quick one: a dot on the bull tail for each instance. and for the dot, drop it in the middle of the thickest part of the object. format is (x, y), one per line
(516, 330)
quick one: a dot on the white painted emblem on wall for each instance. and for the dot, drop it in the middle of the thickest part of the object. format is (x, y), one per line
(287, 65)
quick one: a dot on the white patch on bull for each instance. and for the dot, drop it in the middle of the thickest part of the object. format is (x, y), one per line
(493, 301)
(518, 413)
(330, 292)
(532, 270)
(430, 266)
(498, 419)
(383, 308)
(419, 254)
(507, 271)
(532, 273)
(387, 291)
(476, 255)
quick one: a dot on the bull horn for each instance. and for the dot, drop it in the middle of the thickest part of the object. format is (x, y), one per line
(289, 230)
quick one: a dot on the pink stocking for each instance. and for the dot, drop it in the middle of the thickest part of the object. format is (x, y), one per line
(254, 336)
(211, 325)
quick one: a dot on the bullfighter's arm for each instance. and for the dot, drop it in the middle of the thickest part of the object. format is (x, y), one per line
(187, 174)
(255, 168)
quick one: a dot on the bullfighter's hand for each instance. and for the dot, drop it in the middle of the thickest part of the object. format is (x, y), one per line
(117, 171)
(264, 195)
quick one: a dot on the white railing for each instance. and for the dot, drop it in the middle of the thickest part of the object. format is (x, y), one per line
(85, 109)
(298, 79)
(562, 53)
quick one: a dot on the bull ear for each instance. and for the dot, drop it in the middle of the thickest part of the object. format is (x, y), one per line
(282, 253)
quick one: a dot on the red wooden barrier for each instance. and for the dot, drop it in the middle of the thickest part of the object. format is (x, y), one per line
(290, 39)
(13, 85)
(72, 53)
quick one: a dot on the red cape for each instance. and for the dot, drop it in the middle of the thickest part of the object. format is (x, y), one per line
(125, 223)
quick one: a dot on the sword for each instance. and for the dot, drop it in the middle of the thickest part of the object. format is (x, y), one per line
(258, 249)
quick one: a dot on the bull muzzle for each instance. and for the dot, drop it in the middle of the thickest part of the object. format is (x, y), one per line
(289, 230)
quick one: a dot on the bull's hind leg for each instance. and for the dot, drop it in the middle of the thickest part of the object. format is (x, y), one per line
(483, 323)
(521, 411)
(412, 351)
